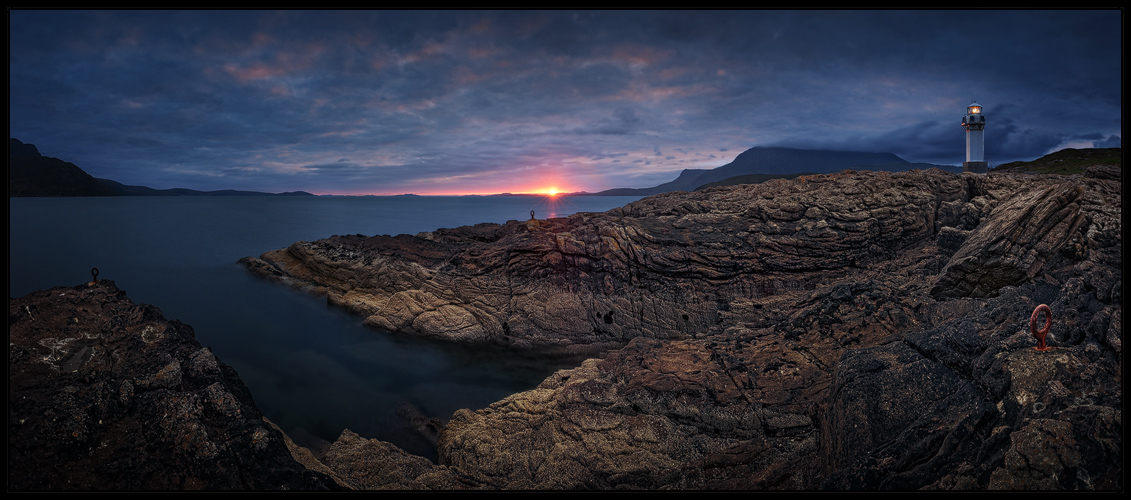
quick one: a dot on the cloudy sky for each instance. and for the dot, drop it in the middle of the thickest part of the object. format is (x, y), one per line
(390, 102)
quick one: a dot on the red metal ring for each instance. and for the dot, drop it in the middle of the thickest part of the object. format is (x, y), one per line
(1040, 335)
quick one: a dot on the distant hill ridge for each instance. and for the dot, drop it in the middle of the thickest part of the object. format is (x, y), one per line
(32, 174)
(1068, 161)
(777, 161)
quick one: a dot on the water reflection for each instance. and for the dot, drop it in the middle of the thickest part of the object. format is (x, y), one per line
(313, 369)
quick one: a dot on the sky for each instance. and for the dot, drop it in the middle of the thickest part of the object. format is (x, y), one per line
(474, 102)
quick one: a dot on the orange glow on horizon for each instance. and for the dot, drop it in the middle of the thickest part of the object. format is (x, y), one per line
(550, 192)
(539, 180)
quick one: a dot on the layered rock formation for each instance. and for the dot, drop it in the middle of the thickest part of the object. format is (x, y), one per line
(860, 330)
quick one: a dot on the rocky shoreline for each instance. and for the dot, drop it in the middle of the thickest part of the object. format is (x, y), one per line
(858, 330)
(105, 394)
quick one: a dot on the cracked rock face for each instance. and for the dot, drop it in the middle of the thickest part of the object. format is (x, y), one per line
(860, 330)
(105, 394)
(663, 267)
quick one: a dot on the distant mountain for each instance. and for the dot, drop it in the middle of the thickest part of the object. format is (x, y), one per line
(123, 190)
(777, 162)
(32, 174)
(17, 149)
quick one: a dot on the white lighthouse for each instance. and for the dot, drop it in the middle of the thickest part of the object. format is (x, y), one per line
(974, 121)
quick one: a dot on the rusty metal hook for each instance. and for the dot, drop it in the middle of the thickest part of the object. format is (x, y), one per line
(93, 275)
(531, 215)
(1040, 335)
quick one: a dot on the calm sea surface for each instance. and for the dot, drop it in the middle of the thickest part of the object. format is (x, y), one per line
(313, 369)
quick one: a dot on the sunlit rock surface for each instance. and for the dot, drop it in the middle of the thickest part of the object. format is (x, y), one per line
(860, 330)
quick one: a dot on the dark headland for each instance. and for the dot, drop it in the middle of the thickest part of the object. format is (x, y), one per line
(34, 175)
(858, 330)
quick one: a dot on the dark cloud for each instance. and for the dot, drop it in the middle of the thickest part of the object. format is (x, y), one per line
(438, 101)
(1113, 141)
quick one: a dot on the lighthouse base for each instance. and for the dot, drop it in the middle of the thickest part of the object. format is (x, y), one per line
(977, 167)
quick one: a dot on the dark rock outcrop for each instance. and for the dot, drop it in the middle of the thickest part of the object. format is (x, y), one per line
(105, 394)
(859, 330)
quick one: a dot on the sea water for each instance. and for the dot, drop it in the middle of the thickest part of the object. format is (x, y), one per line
(313, 369)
